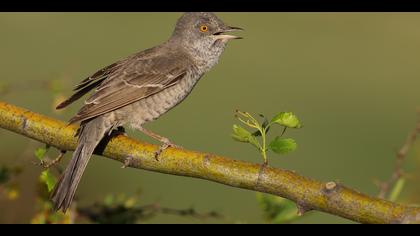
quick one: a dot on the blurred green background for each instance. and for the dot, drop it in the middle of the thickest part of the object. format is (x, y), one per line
(352, 78)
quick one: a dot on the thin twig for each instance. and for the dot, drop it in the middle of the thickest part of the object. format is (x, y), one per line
(119, 213)
(385, 187)
(55, 161)
(190, 212)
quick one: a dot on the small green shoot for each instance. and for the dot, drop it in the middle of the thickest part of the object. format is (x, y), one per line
(278, 145)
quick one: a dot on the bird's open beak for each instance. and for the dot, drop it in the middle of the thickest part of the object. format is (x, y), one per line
(222, 35)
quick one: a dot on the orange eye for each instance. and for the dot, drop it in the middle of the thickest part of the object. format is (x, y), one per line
(204, 28)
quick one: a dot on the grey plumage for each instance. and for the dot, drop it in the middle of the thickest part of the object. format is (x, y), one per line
(141, 88)
(91, 134)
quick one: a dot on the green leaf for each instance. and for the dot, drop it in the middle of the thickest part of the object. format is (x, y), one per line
(277, 210)
(40, 153)
(396, 190)
(283, 145)
(49, 179)
(287, 119)
(240, 134)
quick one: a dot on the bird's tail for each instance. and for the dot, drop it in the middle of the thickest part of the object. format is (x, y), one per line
(90, 134)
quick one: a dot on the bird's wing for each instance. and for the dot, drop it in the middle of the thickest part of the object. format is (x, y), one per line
(89, 83)
(136, 79)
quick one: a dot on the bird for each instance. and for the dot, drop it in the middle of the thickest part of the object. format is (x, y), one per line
(139, 89)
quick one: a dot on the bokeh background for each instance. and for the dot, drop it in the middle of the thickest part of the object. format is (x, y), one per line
(352, 78)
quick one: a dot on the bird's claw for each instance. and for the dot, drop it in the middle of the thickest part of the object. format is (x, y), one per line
(165, 145)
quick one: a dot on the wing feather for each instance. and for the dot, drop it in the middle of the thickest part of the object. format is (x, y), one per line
(88, 84)
(131, 82)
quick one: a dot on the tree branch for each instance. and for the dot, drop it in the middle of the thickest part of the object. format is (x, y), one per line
(309, 194)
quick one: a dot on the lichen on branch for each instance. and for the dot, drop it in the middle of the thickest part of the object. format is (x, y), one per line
(308, 194)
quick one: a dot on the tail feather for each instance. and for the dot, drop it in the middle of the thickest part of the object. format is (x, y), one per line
(90, 135)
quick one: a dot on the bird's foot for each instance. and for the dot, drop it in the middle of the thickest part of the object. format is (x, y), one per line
(165, 145)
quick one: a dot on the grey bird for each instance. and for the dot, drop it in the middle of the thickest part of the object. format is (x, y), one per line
(141, 88)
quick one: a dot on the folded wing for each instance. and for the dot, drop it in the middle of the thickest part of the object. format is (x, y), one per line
(129, 82)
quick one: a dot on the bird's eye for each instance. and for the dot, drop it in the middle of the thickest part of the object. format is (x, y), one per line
(204, 28)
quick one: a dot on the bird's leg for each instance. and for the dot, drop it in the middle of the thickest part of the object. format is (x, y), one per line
(166, 143)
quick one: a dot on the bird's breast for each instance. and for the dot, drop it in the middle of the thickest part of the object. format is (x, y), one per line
(154, 106)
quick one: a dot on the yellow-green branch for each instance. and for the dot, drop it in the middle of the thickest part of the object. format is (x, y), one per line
(308, 194)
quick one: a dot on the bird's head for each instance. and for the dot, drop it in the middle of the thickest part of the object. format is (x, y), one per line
(203, 28)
